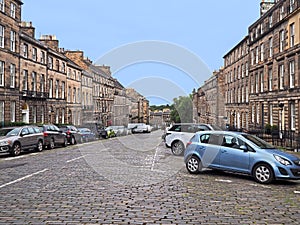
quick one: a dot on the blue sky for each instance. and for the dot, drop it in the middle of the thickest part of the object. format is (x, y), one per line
(191, 28)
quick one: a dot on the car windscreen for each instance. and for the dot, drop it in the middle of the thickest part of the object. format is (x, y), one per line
(3, 132)
(258, 142)
(14, 132)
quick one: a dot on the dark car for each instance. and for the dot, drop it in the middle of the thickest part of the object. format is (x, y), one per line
(102, 133)
(87, 134)
(73, 134)
(53, 136)
(18, 139)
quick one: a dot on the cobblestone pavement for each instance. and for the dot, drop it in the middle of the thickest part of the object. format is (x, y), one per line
(134, 180)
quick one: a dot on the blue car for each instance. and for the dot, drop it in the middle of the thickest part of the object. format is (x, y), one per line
(240, 153)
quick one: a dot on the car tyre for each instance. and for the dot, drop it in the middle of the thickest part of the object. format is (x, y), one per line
(39, 146)
(194, 165)
(65, 142)
(52, 144)
(72, 141)
(177, 148)
(263, 173)
(16, 149)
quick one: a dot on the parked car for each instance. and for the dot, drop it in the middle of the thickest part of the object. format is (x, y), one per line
(53, 136)
(73, 135)
(102, 133)
(16, 140)
(110, 132)
(87, 134)
(241, 153)
(178, 135)
(139, 128)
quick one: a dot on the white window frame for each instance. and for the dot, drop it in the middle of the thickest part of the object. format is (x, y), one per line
(262, 52)
(281, 76)
(57, 89)
(270, 21)
(2, 36)
(50, 88)
(34, 83)
(2, 5)
(13, 8)
(270, 73)
(292, 73)
(25, 80)
(12, 111)
(2, 70)
(63, 87)
(281, 41)
(292, 35)
(271, 114)
(12, 75)
(292, 2)
(42, 83)
(256, 55)
(34, 54)
(13, 41)
(293, 116)
(271, 47)
(261, 76)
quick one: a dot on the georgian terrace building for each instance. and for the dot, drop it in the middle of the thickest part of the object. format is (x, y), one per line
(10, 18)
(262, 71)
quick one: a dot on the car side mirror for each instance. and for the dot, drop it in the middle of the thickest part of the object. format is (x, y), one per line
(244, 148)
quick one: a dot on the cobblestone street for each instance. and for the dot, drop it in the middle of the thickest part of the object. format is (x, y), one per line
(134, 180)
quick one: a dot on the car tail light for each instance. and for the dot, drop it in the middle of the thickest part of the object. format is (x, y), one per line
(45, 134)
(189, 143)
(68, 132)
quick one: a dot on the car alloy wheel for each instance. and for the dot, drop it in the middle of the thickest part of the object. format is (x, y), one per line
(73, 141)
(177, 148)
(52, 144)
(263, 174)
(16, 149)
(39, 147)
(193, 165)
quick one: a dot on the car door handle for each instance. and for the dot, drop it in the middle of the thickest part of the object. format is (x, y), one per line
(223, 151)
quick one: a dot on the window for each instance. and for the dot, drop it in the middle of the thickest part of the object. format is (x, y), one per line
(270, 79)
(247, 69)
(42, 57)
(12, 10)
(56, 88)
(50, 88)
(2, 7)
(281, 77)
(262, 52)
(252, 57)
(62, 116)
(256, 82)
(34, 54)
(25, 50)
(33, 82)
(50, 62)
(42, 114)
(292, 2)
(12, 75)
(13, 41)
(293, 116)
(25, 80)
(2, 65)
(57, 65)
(281, 41)
(12, 111)
(247, 94)
(63, 68)
(270, 47)
(270, 21)
(57, 116)
(261, 81)
(42, 83)
(74, 95)
(69, 95)
(292, 74)
(1, 111)
(34, 114)
(2, 36)
(281, 13)
(271, 114)
(292, 35)
(63, 90)
(256, 55)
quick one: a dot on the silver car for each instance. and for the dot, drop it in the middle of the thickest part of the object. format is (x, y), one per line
(16, 140)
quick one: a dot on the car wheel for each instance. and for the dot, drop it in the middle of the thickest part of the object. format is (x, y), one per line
(73, 141)
(177, 148)
(263, 174)
(16, 149)
(65, 142)
(52, 144)
(194, 165)
(39, 146)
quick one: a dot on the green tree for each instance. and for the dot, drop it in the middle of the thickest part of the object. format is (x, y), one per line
(182, 110)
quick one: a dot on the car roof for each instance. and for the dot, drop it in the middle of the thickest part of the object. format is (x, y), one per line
(220, 132)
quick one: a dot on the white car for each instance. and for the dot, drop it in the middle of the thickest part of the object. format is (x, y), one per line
(139, 128)
(179, 135)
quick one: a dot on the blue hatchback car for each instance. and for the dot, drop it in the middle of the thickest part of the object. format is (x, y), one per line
(240, 153)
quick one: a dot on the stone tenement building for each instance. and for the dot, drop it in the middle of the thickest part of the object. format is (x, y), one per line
(42, 83)
(139, 108)
(261, 73)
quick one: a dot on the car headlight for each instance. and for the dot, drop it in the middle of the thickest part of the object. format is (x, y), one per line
(3, 143)
(282, 160)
